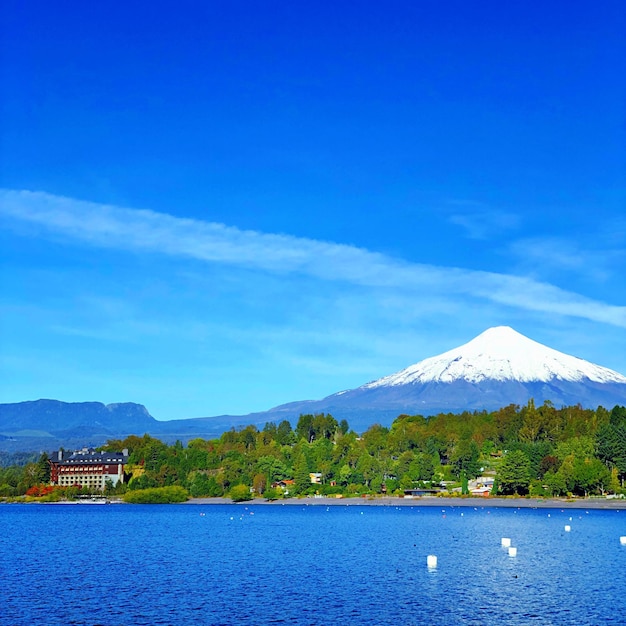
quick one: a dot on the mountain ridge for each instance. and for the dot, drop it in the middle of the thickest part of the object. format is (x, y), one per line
(497, 368)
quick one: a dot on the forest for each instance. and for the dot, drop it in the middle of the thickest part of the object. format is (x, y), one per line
(528, 450)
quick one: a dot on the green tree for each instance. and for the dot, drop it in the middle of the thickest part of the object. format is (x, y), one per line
(590, 476)
(325, 426)
(403, 464)
(31, 475)
(611, 444)
(581, 470)
(271, 467)
(301, 475)
(532, 423)
(555, 482)
(464, 483)
(284, 434)
(235, 468)
(259, 483)
(304, 428)
(581, 447)
(166, 475)
(618, 416)
(514, 473)
(144, 481)
(368, 467)
(548, 463)
(240, 493)
(271, 430)
(151, 453)
(375, 439)
(345, 474)
(465, 457)
(271, 494)
(205, 486)
(43, 468)
(422, 467)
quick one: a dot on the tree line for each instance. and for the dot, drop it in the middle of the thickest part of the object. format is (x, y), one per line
(541, 451)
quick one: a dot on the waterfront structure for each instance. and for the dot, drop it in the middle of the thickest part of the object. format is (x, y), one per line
(419, 492)
(87, 468)
(482, 486)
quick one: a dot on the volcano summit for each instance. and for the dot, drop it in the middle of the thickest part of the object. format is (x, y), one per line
(497, 368)
(501, 354)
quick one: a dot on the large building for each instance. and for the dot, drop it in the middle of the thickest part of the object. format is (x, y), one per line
(87, 468)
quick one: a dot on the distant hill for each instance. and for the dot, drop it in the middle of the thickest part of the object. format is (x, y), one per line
(495, 369)
(54, 415)
(46, 424)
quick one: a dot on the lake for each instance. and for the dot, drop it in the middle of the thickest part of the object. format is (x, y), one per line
(244, 564)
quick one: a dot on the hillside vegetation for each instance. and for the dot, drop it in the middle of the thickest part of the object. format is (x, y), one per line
(529, 450)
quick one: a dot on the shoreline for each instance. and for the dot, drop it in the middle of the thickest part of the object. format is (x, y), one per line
(431, 501)
(392, 501)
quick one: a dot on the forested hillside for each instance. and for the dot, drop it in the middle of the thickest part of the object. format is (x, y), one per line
(537, 450)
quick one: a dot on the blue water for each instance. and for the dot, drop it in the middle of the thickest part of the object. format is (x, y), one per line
(244, 564)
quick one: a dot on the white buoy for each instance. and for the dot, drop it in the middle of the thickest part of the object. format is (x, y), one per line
(505, 542)
(512, 551)
(431, 561)
(568, 528)
(622, 540)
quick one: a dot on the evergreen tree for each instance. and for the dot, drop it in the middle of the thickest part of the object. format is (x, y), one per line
(514, 473)
(301, 475)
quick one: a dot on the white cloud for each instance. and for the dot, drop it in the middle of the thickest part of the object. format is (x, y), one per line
(484, 223)
(141, 230)
(557, 254)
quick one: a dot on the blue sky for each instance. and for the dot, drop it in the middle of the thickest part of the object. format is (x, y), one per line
(215, 208)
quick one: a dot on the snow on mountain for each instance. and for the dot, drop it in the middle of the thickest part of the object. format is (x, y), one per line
(498, 368)
(500, 354)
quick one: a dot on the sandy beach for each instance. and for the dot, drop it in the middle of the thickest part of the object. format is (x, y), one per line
(525, 503)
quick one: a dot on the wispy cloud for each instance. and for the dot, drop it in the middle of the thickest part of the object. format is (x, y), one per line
(596, 259)
(158, 233)
(480, 221)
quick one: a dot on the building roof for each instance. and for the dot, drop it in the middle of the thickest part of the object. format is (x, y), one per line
(87, 456)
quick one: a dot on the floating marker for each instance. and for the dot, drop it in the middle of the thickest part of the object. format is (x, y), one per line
(512, 551)
(568, 528)
(622, 540)
(505, 542)
(431, 561)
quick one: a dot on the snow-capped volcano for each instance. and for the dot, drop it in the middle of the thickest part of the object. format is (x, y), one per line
(500, 354)
(498, 368)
